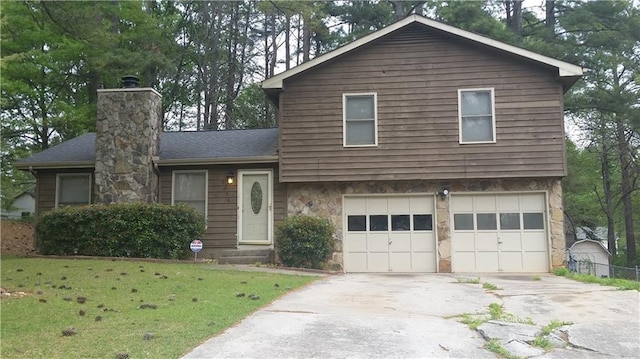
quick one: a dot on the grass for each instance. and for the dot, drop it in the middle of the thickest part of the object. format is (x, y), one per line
(494, 346)
(146, 309)
(623, 284)
(468, 280)
(496, 312)
(541, 340)
(547, 329)
(490, 286)
(472, 321)
(536, 277)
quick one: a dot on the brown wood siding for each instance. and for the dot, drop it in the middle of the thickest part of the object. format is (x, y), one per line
(46, 188)
(222, 200)
(416, 75)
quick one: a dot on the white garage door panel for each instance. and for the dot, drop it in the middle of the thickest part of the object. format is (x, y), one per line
(377, 262)
(487, 261)
(536, 262)
(358, 242)
(465, 261)
(405, 244)
(508, 233)
(358, 261)
(531, 242)
(486, 241)
(422, 242)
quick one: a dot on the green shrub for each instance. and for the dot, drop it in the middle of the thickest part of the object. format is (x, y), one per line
(137, 230)
(561, 271)
(304, 241)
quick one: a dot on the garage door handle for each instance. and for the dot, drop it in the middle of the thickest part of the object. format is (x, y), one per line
(390, 242)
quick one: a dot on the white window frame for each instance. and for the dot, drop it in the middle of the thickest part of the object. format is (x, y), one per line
(60, 175)
(493, 115)
(375, 118)
(206, 189)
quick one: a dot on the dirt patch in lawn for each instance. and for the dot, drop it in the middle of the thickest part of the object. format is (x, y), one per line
(16, 238)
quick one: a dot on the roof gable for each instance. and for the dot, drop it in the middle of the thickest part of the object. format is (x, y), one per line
(590, 241)
(568, 73)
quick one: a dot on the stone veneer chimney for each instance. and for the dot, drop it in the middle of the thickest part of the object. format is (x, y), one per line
(127, 141)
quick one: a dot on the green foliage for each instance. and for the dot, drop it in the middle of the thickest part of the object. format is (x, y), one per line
(541, 342)
(475, 280)
(119, 230)
(473, 321)
(495, 311)
(304, 241)
(623, 284)
(494, 346)
(547, 329)
(490, 286)
(178, 324)
(561, 271)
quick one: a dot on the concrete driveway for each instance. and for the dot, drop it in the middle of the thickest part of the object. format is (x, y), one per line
(417, 316)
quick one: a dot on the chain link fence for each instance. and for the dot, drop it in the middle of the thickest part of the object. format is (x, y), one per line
(584, 266)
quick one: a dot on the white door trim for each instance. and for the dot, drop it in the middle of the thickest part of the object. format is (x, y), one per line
(241, 174)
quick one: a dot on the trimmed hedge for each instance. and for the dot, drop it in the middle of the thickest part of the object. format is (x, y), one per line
(137, 230)
(304, 241)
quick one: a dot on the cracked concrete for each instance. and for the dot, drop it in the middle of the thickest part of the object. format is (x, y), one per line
(417, 316)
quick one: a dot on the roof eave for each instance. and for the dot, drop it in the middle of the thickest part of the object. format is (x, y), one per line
(26, 166)
(217, 161)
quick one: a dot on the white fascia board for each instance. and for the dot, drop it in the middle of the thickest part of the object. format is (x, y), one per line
(54, 165)
(218, 161)
(564, 69)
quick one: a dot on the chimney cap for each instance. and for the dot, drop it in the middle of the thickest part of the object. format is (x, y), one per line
(130, 81)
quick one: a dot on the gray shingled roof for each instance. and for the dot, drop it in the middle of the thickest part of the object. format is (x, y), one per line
(180, 147)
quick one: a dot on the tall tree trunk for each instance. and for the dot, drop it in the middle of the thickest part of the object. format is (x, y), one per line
(306, 40)
(287, 41)
(627, 189)
(298, 39)
(232, 60)
(399, 9)
(514, 15)
(608, 196)
(550, 14)
(274, 46)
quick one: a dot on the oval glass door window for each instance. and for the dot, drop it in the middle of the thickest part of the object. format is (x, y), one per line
(256, 198)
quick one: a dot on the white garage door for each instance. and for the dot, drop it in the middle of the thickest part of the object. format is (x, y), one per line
(389, 234)
(499, 233)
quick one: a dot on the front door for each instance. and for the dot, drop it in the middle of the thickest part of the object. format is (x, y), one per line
(255, 209)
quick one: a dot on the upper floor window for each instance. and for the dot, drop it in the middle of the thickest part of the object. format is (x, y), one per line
(477, 116)
(73, 189)
(360, 119)
(190, 188)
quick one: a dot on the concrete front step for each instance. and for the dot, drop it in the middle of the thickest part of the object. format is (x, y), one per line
(235, 256)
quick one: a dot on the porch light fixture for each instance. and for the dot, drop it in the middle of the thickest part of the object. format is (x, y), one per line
(443, 193)
(230, 178)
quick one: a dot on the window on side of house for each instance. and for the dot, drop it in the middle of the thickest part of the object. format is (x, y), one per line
(190, 188)
(476, 113)
(360, 119)
(73, 189)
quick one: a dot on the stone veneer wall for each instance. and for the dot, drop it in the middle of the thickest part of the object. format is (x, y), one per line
(127, 138)
(325, 200)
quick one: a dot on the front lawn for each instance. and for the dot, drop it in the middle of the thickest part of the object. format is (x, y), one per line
(56, 308)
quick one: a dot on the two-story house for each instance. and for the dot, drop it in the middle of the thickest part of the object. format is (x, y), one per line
(430, 148)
